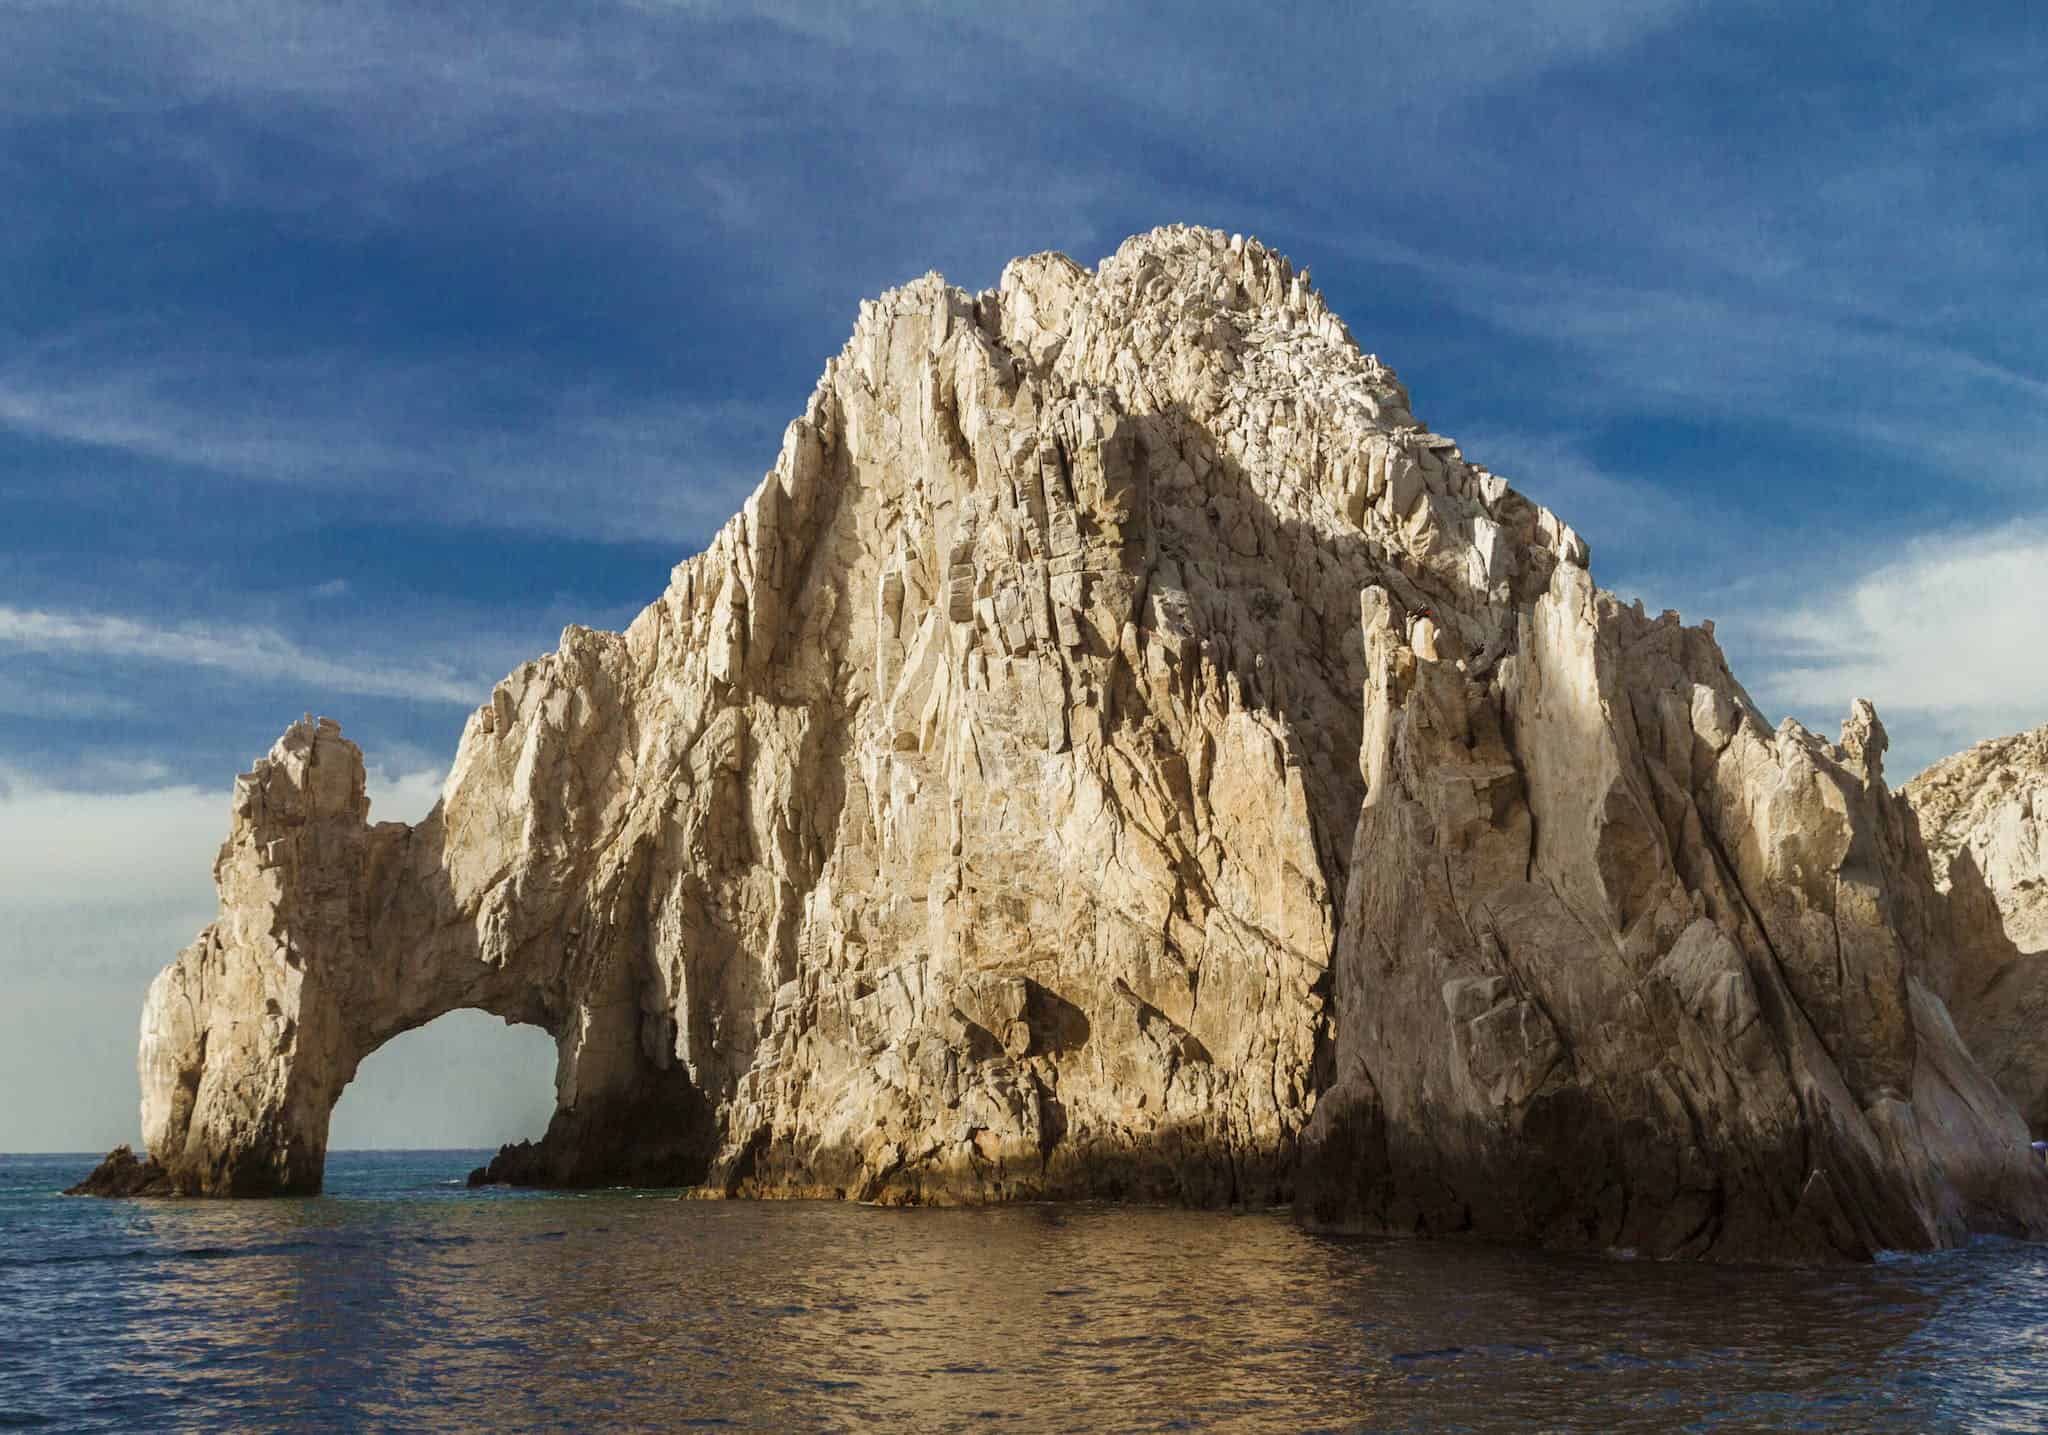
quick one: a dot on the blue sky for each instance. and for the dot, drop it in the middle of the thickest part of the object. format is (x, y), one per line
(348, 352)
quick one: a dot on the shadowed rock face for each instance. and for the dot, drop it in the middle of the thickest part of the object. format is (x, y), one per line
(1984, 813)
(1031, 792)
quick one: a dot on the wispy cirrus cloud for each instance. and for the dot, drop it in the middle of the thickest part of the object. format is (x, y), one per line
(570, 458)
(607, 57)
(256, 654)
(1792, 361)
(49, 702)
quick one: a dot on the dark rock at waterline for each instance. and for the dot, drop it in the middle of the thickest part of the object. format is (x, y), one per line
(521, 1164)
(654, 1136)
(123, 1173)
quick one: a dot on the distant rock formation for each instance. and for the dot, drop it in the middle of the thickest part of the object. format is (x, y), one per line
(1032, 793)
(1984, 815)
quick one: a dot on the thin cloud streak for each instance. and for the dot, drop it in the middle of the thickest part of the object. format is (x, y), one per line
(253, 653)
(1769, 360)
(601, 58)
(45, 702)
(578, 460)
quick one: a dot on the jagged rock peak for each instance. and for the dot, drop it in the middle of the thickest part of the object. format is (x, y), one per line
(1117, 751)
(1177, 286)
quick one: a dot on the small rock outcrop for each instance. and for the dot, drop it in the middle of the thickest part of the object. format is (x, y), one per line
(123, 1173)
(1040, 790)
(1984, 816)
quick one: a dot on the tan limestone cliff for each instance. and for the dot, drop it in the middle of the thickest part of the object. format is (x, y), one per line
(1027, 794)
(1984, 816)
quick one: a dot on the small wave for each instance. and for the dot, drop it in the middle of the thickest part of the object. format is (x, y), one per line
(121, 1257)
(1416, 1357)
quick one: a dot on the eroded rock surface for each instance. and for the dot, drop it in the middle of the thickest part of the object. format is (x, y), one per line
(1984, 816)
(1033, 792)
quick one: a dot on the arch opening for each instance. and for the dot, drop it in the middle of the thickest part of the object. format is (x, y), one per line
(464, 1082)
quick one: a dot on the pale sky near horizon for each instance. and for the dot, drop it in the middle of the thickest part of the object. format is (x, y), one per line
(352, 349)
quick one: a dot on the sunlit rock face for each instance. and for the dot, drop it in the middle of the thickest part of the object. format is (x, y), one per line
(1984, 814)
(1034, 792)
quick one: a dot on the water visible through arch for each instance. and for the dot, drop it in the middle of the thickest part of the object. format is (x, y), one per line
(464, 1081)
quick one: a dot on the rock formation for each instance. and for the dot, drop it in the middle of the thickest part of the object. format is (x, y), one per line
(123, 1173)
(1984, 816)
(1030, 793)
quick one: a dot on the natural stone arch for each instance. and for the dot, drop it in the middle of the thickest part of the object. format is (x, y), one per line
(337, 936)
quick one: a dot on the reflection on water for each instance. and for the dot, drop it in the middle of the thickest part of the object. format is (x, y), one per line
(402, 1301)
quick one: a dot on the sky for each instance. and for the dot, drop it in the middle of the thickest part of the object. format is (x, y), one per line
(349, 351)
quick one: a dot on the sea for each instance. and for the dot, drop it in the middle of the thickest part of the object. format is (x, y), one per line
(402, 1300)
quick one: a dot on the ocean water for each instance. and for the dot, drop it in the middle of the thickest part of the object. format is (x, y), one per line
(402, 1300)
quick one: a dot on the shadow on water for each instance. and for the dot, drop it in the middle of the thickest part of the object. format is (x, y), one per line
(402, 1299)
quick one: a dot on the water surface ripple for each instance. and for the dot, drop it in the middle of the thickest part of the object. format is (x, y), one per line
(403, 1300)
